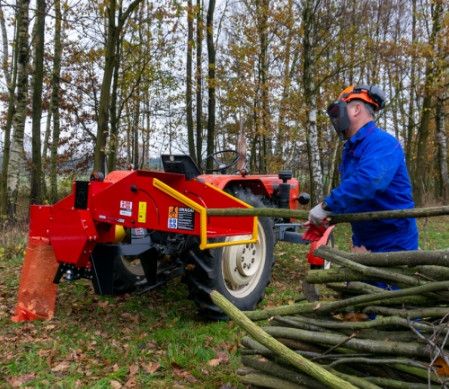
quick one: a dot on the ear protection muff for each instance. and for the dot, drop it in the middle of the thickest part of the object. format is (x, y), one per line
(374, 92)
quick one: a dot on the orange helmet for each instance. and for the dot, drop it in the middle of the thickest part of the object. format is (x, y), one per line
(370, 94)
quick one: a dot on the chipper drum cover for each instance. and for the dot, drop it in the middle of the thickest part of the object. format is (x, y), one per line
(37, 292)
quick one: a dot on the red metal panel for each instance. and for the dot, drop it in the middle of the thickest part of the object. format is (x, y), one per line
(72, 235)
(119, 203)
(129, 198)
(259, 184)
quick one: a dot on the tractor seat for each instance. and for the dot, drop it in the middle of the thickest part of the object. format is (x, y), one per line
(182, 164)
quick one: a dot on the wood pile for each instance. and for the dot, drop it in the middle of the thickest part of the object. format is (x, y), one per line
(366, 336)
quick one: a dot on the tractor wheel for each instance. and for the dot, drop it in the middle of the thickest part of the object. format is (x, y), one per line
(240, 273)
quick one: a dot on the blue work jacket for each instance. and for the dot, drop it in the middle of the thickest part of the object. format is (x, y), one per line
(374, 178)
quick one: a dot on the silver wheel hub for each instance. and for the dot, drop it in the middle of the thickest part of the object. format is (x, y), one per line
(243, 265)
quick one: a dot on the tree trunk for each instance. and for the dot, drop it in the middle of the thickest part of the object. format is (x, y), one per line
(17, 153)
(11, 80)
(135, 135)
(442, 144)
(199, 80)
(441, 112)
(422, 167)
(265, 131)
(282, 134)
(210, 81)
(411, 102)
(313, 151)
(113, 140)
(241, 143)
(55, 91)
(45, 148)
(113, 34)
(105, 94)
(189, 107)
(38, 76)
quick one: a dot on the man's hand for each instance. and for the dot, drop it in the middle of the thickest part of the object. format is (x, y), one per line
(359, 250)
(318, 215)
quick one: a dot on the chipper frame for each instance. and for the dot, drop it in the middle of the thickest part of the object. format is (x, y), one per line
(63, 236)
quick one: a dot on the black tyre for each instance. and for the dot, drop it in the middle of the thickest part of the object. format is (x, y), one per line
(115, 274)
(128, 272)
(241, 273)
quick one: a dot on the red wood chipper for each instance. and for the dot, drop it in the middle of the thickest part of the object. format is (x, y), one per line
(133, 230)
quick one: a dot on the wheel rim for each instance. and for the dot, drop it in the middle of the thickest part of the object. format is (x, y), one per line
(243, 265)
(133, 265)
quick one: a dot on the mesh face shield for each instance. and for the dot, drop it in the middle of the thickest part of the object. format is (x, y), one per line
(338, 114)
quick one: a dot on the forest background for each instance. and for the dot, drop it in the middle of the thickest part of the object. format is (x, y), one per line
(107, 84)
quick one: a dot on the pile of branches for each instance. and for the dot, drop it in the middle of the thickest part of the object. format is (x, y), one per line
(394, 336)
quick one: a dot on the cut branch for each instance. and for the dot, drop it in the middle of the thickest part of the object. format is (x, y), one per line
(398, 258)
(298, 361)
(334, 218)
(331, 306)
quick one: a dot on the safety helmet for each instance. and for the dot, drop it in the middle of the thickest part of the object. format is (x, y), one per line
(370, 94)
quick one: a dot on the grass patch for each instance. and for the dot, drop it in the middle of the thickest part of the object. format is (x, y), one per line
(150, 340)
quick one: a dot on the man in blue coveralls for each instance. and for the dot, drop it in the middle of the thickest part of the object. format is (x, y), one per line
(373, 175)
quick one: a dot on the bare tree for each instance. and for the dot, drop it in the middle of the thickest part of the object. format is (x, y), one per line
(11, 80)
(116, 21)
(17, 154)
(199, 79)
(210, 80)
(310, 100)
(38, 77)
(189, 107)
(422, 166)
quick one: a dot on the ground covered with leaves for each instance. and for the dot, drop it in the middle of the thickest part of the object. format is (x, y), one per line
(155, 339)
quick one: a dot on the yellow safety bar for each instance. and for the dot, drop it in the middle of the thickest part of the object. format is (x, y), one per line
(204, 244)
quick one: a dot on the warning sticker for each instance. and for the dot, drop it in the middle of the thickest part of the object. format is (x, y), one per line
(126, 208)
(181, 218)
(142, 214)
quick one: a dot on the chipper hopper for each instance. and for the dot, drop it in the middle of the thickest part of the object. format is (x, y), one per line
(77, 236)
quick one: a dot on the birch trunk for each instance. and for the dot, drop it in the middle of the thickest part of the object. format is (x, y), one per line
(17, 153)
(11, 80)
(313, 151)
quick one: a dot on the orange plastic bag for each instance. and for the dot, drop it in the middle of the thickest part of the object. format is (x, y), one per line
(37, 292)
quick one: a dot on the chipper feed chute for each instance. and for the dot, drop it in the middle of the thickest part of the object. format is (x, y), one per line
(37, 292)
(63, 236)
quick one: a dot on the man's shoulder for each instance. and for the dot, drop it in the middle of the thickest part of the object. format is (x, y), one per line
(381, 136)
